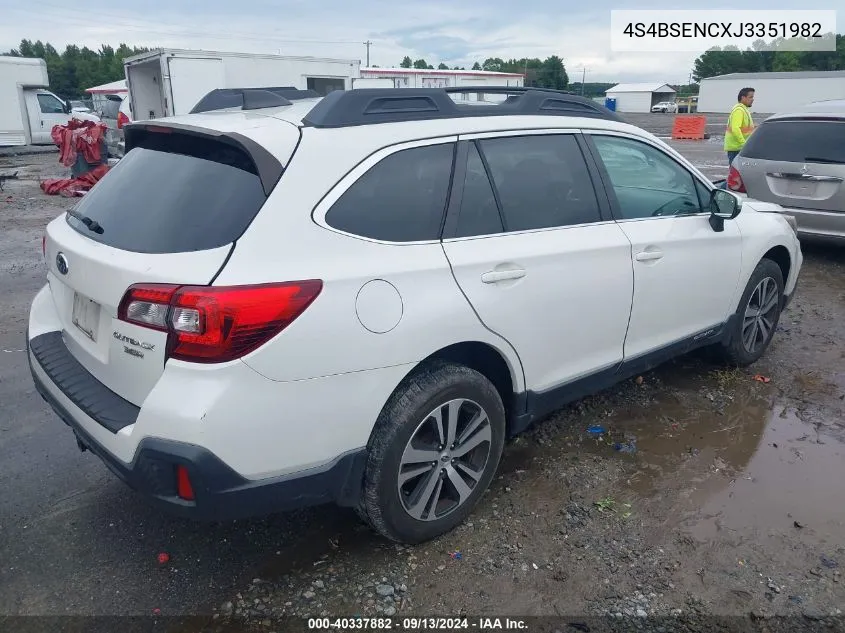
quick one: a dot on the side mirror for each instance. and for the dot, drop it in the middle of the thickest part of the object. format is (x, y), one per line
(723, 206)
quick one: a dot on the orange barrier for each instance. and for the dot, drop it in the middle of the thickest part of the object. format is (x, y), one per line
(689, 127)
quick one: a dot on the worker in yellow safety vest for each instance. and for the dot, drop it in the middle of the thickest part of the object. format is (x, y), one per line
(740, 124)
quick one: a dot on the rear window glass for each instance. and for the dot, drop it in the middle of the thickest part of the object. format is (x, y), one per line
(173, 195)
(798, 142)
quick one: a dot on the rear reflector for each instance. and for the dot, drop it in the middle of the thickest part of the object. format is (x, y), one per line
(183, 484)
(207, 324)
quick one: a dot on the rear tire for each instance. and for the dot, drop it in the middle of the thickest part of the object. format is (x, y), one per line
(757, 316)
(412, 484)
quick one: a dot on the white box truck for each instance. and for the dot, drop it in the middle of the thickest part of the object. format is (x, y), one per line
(169, 82)
(28, 111)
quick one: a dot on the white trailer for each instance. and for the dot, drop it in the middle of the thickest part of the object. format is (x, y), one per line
(169, 82)
(371, 82)
(28, 111)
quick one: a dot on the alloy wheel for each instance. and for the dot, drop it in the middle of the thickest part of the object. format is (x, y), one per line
(445, 459)
(760, 313)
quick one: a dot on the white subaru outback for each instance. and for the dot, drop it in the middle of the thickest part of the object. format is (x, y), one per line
(357, 299)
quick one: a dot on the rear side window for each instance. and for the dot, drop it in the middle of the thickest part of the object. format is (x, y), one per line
(160, 200)
(402, 198)
(798, 141)
(541, 181)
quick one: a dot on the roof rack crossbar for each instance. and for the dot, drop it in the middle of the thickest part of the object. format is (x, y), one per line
(257, 99)
(222, 98)
(368, 106)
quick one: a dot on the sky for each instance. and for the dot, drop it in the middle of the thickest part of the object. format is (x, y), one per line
(457, 33)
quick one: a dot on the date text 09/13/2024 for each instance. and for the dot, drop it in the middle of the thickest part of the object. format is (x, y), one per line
(417, 624)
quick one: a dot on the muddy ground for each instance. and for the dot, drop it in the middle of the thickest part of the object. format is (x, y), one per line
(709, 491)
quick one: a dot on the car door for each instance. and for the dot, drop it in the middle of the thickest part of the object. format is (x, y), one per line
(685, 273)
(532, 253)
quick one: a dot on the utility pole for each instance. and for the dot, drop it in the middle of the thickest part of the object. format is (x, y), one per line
(368, 43)
(584, 70)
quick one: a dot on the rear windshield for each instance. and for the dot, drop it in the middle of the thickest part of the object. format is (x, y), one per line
(173, 194)
(799, 141)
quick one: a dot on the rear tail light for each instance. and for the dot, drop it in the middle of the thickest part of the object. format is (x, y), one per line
(208, 324)
(122, 120)
(735, 181)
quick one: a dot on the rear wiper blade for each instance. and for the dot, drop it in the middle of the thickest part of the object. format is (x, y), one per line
(829, 161)
(92, 225)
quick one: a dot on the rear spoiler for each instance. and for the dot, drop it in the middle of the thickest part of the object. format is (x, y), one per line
(267, 166)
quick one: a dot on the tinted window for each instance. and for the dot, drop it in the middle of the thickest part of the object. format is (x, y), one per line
(647, 182)
(160, 201)
(542, 181)
(479, 213)
(50, 105)
(400, 199)
(703, 195)
(798, 142)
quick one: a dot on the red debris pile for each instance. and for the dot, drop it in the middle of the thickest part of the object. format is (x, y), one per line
(70, 187)
(81, 145)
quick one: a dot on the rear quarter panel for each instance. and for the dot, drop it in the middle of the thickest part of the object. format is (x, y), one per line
(284, 243)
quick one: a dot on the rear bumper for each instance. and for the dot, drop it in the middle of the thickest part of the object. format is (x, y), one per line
(827, 225)
(220, 493)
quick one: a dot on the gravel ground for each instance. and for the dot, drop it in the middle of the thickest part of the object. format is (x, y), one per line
(711, 492)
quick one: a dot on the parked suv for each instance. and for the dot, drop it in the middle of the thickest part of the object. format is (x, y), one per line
(797, 160)
(357, 299)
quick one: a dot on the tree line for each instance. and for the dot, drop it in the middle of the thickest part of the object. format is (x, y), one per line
(722, 61)
(76, 69)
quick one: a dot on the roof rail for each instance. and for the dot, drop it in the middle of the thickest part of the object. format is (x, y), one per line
(250, 99)
(367, 106)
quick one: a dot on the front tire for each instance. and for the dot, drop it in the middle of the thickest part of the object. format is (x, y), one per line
(757, 315)
(433, 452)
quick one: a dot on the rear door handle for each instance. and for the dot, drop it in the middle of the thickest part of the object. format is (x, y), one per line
(648, 256)
(493, 276)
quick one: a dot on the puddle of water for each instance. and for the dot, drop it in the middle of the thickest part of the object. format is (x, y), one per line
(796, 474)
(738, 465)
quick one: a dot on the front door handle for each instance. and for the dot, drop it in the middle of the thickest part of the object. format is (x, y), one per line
(648, 256)
(493, 276)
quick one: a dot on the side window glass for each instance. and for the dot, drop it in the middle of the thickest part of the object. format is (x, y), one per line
(703, 196)
(479, 214)
(542, 181)
(647, 182)
(402, 198)
(50, 105)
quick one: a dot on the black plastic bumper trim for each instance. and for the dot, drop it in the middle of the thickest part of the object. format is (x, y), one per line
(220, 493)
(96, 400)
